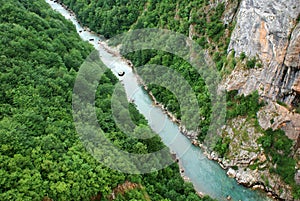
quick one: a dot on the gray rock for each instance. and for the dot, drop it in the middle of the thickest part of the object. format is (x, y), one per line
(276, 116)
(231, 172)
(230, 11)
(297, 177)
(244, 151)
(267, 30)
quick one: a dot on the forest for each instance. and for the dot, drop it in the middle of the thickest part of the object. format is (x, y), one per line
(41, 155)
(202, 21)
(176, 16)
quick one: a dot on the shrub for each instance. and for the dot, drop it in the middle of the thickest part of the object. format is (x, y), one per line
(281, 103)
(240, 105)
(251, 63)
(259, 65)
(222, 146)
(242, 56)
(278, 146)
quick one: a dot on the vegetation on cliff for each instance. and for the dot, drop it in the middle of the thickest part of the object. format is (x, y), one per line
(278, 147)
(202, 21)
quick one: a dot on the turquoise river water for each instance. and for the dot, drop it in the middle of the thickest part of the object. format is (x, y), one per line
(206, 175)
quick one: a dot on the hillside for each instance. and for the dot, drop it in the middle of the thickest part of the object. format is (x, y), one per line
(41, 155)
(255, 46)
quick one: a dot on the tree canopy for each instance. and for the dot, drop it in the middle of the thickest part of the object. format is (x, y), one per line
(41, 156)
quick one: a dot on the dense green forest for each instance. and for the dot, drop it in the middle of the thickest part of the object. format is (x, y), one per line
(202, 21)
(177, 16)
(41, 155)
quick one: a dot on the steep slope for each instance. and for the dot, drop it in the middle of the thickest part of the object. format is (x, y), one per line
(255, 45)
(269, 30)
(42, 157)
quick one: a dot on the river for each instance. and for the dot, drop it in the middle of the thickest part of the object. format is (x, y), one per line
(206, 175)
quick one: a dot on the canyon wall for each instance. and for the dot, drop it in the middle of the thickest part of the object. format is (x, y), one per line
(269, 31)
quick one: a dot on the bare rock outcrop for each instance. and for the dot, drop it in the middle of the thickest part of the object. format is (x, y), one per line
(246, 160)
(276, 116)
(268, 30)
(293, 57)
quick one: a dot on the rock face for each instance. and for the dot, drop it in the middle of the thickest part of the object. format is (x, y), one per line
(245, 155)
(268, 30)
(276, 116)
(243, 148)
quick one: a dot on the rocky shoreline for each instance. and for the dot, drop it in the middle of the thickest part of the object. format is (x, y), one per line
(116, 52)
(244, 178)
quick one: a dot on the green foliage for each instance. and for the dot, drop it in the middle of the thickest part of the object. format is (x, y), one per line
(222, 146)
(177, 16)
(250, 63)
(274, 141)
(41, 156)
(282, 103)
(111, 17)
(259, 65)
(240, 105)
(242, 56)
(253, 166)
(137, 118)
(298, 109)
(165, 96)
(215, 28)
(114, 17)
(277, 145)
(107, 17)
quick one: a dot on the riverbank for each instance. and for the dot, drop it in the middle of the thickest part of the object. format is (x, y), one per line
(116, 52)
(243, 177)
(191, 136)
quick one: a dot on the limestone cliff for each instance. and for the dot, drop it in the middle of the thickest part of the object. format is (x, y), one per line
(268, 30)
